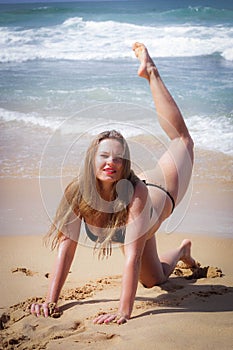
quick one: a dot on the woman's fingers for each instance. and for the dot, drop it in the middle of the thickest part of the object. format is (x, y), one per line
(32, 308)
(100, 319)
(108, 318)
(37, 310)
(122, 320)
(40, 309)
(45, 309)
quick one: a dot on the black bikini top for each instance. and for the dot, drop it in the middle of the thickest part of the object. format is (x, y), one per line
(118, 237)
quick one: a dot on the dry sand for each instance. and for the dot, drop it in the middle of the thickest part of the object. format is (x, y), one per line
(184, 312)
(193, 313)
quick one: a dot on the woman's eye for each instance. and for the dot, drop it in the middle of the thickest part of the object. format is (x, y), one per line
(118, 159)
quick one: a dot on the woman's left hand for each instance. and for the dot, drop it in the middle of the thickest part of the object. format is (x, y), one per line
(108, 318)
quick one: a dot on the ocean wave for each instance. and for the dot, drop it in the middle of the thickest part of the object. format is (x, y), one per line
(41, 8)
(228, 54)
(77, 39)
(209, 132)
(212, 133)
(198, 14)
(33, 119)
(136, 13)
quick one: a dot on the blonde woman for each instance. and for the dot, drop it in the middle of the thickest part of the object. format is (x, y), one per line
(118, 206)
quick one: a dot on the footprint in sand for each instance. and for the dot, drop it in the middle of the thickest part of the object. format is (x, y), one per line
(36, 333)
(24, 270)
(91, 337)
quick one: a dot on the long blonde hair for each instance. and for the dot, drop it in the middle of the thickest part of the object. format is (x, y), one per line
(82, 197)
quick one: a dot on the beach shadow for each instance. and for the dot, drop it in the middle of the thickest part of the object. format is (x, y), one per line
(72, 304)
(180, 295)
(185, 296)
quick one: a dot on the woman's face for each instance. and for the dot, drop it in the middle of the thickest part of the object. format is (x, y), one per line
(109, 160)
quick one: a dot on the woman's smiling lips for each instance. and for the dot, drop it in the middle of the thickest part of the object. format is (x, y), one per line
(109, 170)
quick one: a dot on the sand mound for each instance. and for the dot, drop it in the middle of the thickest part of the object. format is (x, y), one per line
(197, 272)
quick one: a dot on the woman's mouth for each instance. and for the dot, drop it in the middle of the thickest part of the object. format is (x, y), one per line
(109, 171)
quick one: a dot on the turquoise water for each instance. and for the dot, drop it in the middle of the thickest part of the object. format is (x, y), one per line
(67, 70)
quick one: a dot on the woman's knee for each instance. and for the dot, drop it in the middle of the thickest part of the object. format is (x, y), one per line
(189, 144)
(153, 283)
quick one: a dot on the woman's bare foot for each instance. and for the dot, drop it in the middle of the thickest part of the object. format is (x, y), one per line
(186, 253)
(147, 64)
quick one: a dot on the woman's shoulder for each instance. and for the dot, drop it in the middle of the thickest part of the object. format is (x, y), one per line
(140, 195)
(140, 185)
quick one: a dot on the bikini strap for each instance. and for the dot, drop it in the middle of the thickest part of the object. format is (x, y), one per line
(163, 189)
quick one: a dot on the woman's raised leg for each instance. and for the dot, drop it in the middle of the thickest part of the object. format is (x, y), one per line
(173, 172)
(174, 169)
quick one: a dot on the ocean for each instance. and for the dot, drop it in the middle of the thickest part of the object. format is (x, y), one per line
(67, 71)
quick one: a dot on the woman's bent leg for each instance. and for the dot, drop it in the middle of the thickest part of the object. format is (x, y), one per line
(156, 270)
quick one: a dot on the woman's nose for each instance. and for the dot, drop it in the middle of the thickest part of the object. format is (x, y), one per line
(110, 160)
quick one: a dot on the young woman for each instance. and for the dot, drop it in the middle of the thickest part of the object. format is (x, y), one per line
(118, 206)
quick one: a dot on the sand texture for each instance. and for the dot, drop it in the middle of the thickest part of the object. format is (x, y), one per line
(194, 307)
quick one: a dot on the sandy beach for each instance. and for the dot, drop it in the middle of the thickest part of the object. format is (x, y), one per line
(194, 311)
(185, 310)
(67, 73)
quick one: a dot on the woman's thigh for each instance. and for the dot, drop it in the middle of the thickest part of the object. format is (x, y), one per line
(173, 170)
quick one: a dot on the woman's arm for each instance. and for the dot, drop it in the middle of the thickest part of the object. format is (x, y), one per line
(130, 277)
(136, 233)
(61, 268)
(66, 251)
(133, 253)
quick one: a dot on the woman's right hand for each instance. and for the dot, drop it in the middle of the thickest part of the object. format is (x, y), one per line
(45, 309)
(63, 262)
(40, 309)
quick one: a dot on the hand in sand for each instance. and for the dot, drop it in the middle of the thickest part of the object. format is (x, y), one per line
(45, 309)
(108, 318)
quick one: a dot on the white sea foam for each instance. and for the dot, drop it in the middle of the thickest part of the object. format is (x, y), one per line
(76, 39)
(212, 133)
(228, 54)
(209, 133)
(33, 119)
